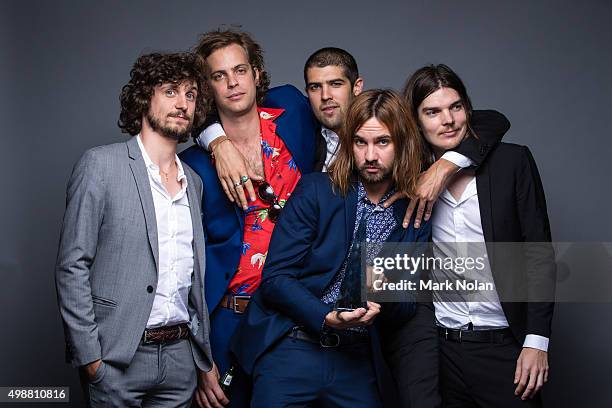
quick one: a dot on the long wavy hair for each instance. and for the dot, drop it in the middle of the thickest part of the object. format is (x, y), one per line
(214, 40)
(427, 80)
(392, 111)
(155, 69)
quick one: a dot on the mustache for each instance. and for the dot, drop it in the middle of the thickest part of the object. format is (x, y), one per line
(371, 164)
(329, 105)
(179, 114)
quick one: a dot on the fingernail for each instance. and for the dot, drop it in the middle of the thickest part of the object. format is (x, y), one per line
(405, 225)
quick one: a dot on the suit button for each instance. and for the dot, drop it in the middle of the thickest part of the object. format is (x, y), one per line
(150, 289)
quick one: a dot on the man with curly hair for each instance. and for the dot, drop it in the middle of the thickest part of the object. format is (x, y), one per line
(278, 144)
(130, 265)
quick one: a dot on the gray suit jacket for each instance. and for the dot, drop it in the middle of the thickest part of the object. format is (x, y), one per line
(106, 272)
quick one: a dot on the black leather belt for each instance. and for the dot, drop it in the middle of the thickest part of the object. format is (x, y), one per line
(331, 339)
(475, 336)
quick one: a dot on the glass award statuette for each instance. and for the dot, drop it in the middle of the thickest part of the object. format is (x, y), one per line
(349, 297)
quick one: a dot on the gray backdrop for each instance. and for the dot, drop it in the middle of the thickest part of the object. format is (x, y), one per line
(546, 65)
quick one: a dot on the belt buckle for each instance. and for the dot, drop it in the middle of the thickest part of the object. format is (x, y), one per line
(145, 340)
(235, 298)
(460, 331)
(323, 344)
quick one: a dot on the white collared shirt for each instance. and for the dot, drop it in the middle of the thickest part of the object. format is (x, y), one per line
(175, 243)
(459, 221)
(332, 141)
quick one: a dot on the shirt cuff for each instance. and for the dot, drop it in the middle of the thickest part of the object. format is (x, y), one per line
(457, 159)
(536, 342)
(209, 134)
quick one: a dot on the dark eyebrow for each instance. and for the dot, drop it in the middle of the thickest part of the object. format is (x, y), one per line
(336, 80)
(425, 108)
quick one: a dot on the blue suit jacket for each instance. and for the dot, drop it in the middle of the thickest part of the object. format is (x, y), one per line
(224, 221)
(308, 247)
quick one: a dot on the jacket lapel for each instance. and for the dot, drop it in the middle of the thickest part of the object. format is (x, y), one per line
(196, 221)
(350, 214)
(483, 187)
(141, 177)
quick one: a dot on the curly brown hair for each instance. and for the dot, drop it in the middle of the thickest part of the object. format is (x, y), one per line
(154, 69)
(214, 40)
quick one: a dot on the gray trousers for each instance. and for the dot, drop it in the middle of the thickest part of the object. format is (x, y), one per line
(160, 375)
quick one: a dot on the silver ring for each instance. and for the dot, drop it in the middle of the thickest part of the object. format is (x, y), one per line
(244, 179)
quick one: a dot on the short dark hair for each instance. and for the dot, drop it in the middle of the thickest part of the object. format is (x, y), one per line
(214, 40)
(430, 78)
(333, 56)
(155, 69)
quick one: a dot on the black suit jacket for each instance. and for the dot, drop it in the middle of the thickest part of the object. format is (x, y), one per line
(513, 209)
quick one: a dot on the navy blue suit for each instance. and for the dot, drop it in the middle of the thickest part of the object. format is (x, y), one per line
(307, 249)
(224, 221)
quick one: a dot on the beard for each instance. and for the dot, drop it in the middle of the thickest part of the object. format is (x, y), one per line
(333, 123)
(177, 133)
(367, 178)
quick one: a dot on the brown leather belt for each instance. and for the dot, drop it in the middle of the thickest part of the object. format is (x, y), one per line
(166, 334)
(237, 303)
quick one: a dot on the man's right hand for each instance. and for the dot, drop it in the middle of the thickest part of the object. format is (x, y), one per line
(209, 393)
(92, 368)
(358, 317)
(231, 166)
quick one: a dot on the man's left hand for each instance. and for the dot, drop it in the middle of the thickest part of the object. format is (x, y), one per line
(531, 372)
(429, 187)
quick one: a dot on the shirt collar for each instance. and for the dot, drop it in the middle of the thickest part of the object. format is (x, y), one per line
(155, 168)
(362, 196)
(329, 134)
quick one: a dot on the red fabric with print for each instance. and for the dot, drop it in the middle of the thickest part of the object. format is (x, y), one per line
(282, 174)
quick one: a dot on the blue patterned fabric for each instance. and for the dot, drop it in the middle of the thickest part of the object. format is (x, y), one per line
(380, 222)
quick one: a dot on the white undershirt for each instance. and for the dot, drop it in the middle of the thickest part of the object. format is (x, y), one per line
(175, 242)
(459, 221)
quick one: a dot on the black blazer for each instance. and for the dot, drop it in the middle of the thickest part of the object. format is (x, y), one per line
(513, 209)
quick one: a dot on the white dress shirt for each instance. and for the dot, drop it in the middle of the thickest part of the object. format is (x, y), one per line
(459, 221)
(175, 242)
(331, 139)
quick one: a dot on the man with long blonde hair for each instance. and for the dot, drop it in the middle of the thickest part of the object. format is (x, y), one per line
(299, 341)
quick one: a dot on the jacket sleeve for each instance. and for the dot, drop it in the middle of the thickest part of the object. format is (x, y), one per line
(77, 249)
(490, 127)
(395, 314)
(538, 252)
(290, 245)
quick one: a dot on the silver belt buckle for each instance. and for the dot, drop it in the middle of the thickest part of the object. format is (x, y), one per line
(337, 342)
(235, 303)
